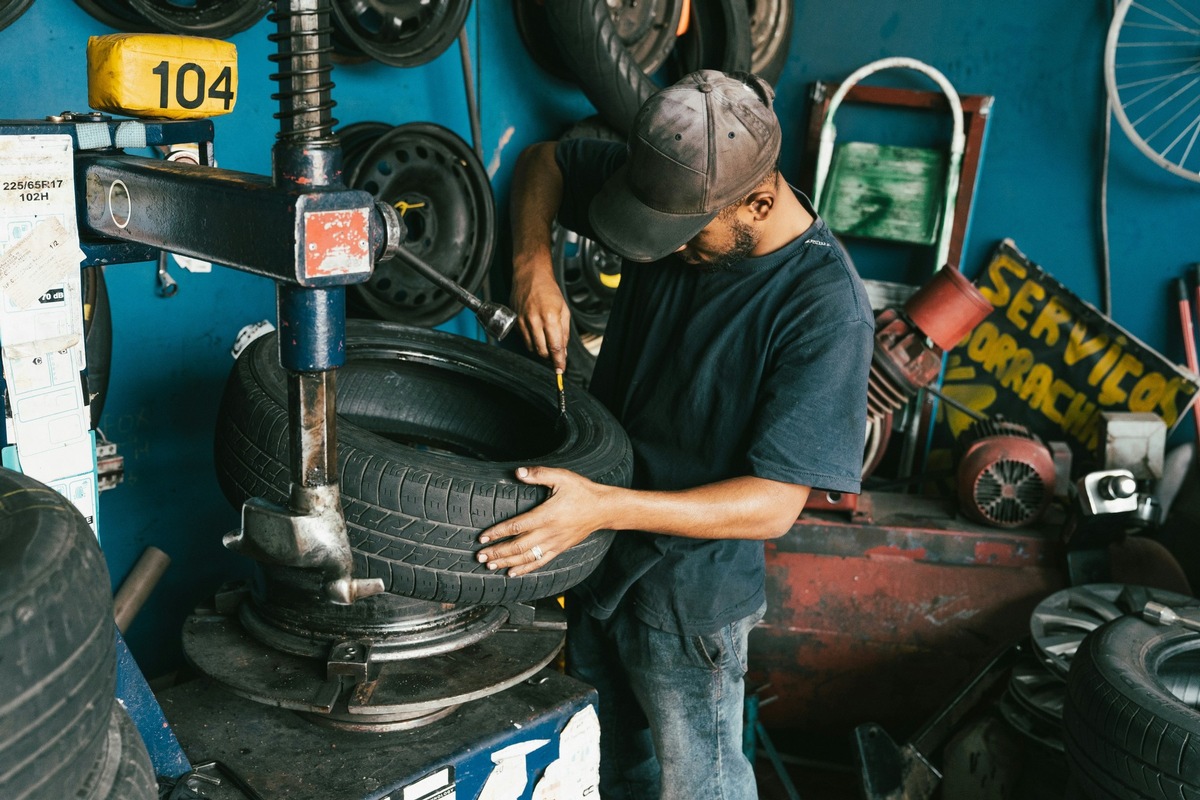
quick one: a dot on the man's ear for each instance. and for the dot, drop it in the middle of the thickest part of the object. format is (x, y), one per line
(761, 203)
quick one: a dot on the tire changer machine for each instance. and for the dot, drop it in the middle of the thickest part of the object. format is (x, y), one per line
(410, 700)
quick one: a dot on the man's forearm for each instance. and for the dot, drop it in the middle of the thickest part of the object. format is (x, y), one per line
(536, 193)
(739, 508)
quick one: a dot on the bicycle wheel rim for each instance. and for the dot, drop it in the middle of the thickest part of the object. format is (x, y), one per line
(1157, 101)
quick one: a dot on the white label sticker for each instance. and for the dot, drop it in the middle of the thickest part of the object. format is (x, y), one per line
(510, 776)
(41, 314)
(575, 775)
(44, 258)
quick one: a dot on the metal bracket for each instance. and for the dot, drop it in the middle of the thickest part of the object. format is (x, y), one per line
(521, 615)
(315, 539)
(349, 659)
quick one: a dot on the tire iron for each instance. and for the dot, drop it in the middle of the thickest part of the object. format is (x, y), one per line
(1165, 615)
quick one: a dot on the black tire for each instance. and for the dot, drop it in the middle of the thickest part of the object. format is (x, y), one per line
(589, 43)
(122, 770)
(57, 643)
(1128, 733)
(97, 339)
(11, 10)
(718, 37)
(216, 19)
(431, 427)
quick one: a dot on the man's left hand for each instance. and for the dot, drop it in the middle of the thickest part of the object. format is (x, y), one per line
(531, 540)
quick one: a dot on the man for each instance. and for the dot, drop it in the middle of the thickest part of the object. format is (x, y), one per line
(736, 358)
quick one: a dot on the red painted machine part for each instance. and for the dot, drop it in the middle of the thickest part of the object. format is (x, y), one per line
(947, 308)
(886, 621)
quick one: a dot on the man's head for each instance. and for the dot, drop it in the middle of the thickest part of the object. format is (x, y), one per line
(696, 147)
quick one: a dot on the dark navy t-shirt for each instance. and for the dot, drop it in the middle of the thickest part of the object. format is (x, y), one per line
(758, 369)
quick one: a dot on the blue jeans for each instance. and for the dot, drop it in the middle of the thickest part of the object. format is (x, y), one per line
(671, 706)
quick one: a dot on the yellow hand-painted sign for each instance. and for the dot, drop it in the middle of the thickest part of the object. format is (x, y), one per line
(1052, 362)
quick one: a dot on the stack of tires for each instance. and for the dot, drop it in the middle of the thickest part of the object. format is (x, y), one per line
(62, 733)
(1132, 714)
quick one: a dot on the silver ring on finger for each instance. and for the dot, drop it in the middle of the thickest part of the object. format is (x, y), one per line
(536, 552)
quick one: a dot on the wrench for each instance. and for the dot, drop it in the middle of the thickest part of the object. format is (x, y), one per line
(1165, 615)
(167, 287)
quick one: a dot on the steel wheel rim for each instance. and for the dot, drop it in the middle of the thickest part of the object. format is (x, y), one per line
(401, 33)
(219, 19)
(116, 14)
(588, 273)
(770, 25)
(356, 139)
(647, 29)
(434, 178)
(1060, 623)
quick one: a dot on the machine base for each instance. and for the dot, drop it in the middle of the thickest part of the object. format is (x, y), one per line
(514, 736)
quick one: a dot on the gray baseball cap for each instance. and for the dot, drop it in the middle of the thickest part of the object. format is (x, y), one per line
(695, 147)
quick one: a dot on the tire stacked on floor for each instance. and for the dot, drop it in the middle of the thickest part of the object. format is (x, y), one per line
(62, 733)
(1132, 715)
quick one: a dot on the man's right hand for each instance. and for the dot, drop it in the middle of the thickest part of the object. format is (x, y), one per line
(542, 313)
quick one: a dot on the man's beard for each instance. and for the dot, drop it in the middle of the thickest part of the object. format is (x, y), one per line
(744, 242)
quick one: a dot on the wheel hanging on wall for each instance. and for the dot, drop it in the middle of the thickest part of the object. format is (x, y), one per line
(1151, 59)
(644, 27)
(10, 10)
(117, 14)
(437, 183)
(431, 427)
(590, 44)
(218, 19)
(770, 36)
(400, 33)
(717, 37)
(356, 139)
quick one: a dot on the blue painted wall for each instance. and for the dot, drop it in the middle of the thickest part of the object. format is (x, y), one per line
(1038, 185)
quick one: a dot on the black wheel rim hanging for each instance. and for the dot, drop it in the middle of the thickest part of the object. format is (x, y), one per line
(770, 36)
(443, 194)
(400, 33)
(718, 37)
(647, 27)
(356, 139)
(10, 10)
(116, 14)
(218, 19)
